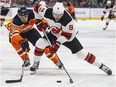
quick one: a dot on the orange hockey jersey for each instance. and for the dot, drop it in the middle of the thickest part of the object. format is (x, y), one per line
(70, 7)
(16, 26)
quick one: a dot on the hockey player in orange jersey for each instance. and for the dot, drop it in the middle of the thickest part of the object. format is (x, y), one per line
(22, 30)
(70, 8)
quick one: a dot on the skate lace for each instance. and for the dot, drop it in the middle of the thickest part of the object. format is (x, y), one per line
(105, 69)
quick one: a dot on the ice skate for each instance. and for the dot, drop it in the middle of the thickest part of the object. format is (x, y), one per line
(106, 69)
(59, 64)
(34, 68)
(26, 63)
(1, 23)
(104, 28)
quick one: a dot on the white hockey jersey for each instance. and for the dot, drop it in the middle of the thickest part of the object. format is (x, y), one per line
(108, 9)
(66, 23)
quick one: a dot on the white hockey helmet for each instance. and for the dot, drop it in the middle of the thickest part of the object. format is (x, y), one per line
(108, 2)
(58, 10)
(42, 3)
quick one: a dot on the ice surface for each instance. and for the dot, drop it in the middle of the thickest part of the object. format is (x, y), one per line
(93, 38)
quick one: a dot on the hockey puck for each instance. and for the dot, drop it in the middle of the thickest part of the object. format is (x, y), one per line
(59, 81)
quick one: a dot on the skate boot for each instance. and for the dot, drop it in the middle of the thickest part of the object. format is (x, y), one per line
(26, 63)
(1, 23)
(59, 64)
(104, 28)
(34, 67)
(106, 69)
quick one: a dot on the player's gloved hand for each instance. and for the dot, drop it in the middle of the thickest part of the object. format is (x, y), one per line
(41, 24)
(55, 46)
(102, 18)
(56, 30)
(25, 45)
(44, 24)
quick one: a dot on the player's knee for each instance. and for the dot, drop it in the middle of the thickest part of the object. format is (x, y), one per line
(41, 43)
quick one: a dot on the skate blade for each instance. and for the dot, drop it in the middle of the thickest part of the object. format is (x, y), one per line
(33, 72)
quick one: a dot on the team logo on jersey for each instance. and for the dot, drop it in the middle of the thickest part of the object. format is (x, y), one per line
(26, 29)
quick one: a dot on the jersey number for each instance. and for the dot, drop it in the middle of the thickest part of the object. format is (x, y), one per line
(70, 27)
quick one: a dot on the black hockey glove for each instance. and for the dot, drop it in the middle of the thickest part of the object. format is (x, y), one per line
(25, 45)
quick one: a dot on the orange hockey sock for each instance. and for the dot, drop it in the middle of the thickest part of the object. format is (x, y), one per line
(51, 55)
(23, 55)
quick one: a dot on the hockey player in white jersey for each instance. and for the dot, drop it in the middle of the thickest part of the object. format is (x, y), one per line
(4, 9)
(62, 32)
(111, 13)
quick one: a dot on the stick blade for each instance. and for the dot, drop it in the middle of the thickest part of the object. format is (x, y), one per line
(71, 81)
(13, 81)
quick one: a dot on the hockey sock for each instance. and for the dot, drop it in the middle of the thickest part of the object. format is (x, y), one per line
(107, 22)
(37, 54)
(90, 58)
(51, 55)
(22, 54)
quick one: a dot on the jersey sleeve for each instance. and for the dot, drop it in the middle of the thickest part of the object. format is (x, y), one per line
(14, 33)
(39, 11)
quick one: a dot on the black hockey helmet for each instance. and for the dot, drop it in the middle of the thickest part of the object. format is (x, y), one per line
(22, 11)
(68, 3)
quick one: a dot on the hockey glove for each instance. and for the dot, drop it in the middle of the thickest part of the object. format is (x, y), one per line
(102, 18)
(56, 30)
(44, 24)
(41, 24)
(55, 46)
(25, 45)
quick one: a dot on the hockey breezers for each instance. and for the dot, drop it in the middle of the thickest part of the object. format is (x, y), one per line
(22, 73)
(70, 79)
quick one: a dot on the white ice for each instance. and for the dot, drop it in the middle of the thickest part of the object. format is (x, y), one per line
(93, 38)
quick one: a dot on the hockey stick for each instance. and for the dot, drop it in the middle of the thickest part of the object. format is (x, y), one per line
(22, 73)
(70, 79)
